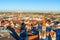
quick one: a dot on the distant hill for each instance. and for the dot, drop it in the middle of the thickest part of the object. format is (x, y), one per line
(34, 13)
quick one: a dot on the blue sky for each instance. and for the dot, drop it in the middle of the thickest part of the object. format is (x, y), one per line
(30, 5)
